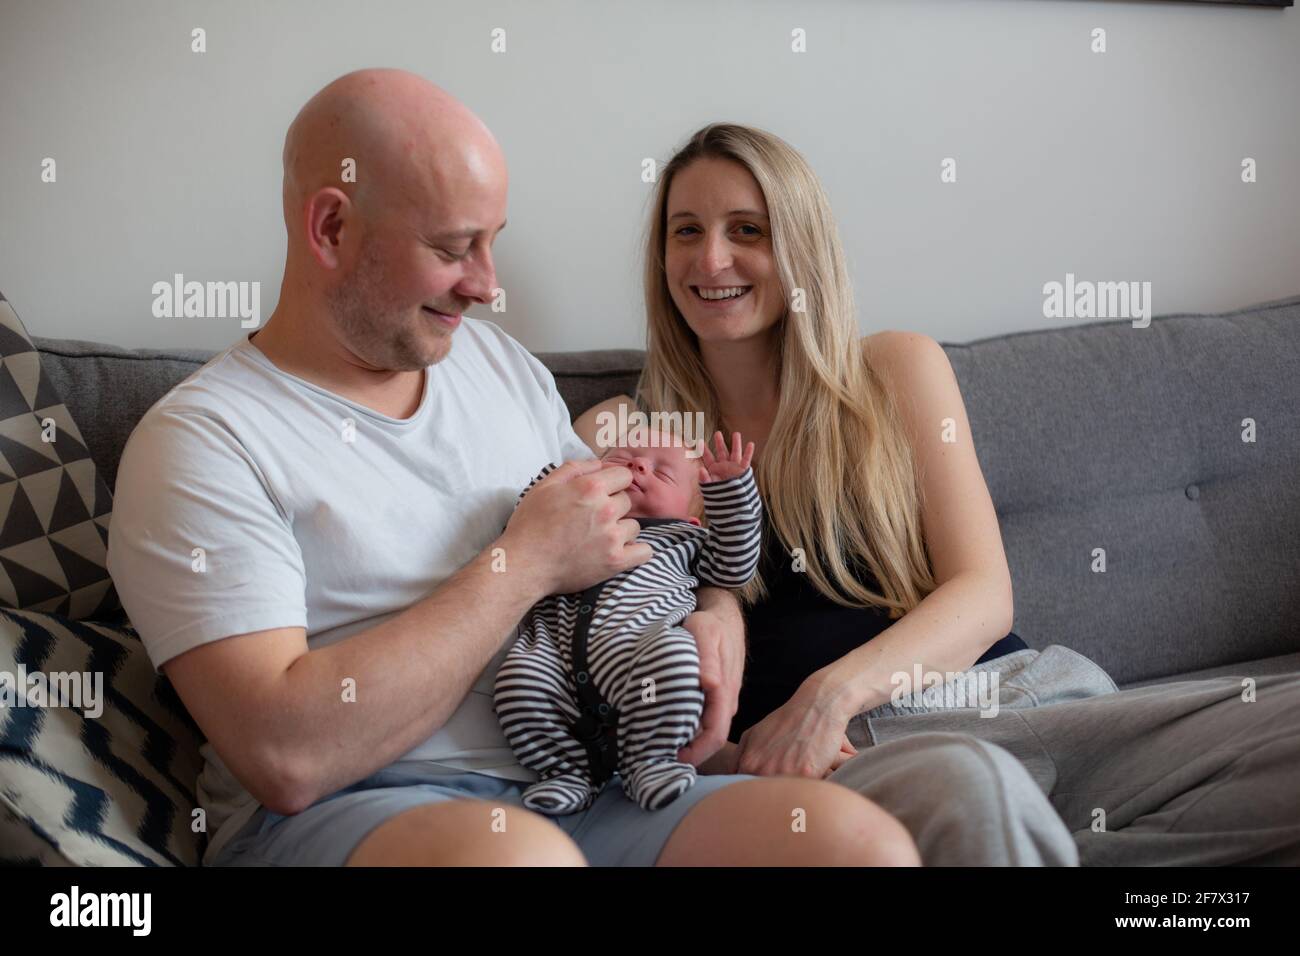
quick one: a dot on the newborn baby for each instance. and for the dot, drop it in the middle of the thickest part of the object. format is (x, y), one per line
(608, 681)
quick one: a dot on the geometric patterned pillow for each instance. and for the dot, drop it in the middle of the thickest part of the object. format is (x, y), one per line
(54, 507)
(104, 780)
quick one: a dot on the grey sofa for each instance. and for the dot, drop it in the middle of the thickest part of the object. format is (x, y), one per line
(1096, 436)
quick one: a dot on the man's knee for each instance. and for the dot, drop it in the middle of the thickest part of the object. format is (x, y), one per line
(788, 821)
(862, 831)
(467, 833)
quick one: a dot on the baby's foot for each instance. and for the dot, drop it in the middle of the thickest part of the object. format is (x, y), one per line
(559, 795)
(655, 785)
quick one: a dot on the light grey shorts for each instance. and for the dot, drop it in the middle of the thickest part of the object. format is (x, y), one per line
(613, 831)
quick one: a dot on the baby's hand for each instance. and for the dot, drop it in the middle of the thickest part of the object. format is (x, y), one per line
(728, 464)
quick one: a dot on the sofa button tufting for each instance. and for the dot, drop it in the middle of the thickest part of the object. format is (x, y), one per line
(1193, 492)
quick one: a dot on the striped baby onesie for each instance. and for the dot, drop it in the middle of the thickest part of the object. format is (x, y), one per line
(632, 700)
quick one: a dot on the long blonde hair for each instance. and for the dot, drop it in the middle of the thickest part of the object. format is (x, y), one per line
(837, 474)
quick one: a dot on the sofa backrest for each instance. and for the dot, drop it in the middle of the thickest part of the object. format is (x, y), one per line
(108, 389)
(1098, 442)
(1130, 440)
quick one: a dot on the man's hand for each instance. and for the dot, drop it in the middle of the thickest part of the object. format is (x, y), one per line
(719, 632)
(727, 464)
(569, 532)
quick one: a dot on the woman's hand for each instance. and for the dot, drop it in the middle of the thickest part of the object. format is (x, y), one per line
(847, 753)
(799, 738)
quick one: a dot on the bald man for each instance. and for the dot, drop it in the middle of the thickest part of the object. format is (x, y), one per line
(308, 536)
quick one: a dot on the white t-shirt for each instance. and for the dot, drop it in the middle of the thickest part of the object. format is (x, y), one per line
(301, 527)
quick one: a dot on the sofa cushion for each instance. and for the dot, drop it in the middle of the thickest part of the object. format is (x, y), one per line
(54, 507)
(108, 782)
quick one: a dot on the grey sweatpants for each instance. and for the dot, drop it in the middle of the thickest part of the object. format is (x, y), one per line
(1071, 769)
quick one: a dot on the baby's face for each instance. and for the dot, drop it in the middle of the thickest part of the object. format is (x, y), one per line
(664, 480)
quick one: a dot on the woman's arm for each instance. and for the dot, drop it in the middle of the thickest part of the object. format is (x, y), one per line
(972, 606)
(587, 425)
(719, 631)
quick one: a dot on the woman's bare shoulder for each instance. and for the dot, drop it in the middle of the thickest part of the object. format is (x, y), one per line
(609, 405)
(893, 351)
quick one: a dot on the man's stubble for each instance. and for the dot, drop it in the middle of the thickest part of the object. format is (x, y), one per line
(377, 329)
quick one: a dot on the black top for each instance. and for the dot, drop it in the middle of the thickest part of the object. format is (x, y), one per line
(795, 631)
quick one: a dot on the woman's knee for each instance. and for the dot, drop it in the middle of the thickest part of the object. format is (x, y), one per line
(986, 777)
(976, 803)
(467, 833)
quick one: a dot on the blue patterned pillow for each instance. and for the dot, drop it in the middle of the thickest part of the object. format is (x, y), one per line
(91, 776)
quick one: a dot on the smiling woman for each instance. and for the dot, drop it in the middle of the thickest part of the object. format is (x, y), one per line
(752, 325)
(882, 558)
(717, 252)
(713, 295)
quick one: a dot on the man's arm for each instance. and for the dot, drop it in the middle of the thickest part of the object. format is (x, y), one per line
(278, 714)
(294, 724)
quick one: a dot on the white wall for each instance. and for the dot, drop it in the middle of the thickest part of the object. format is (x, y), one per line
(1115, 166)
